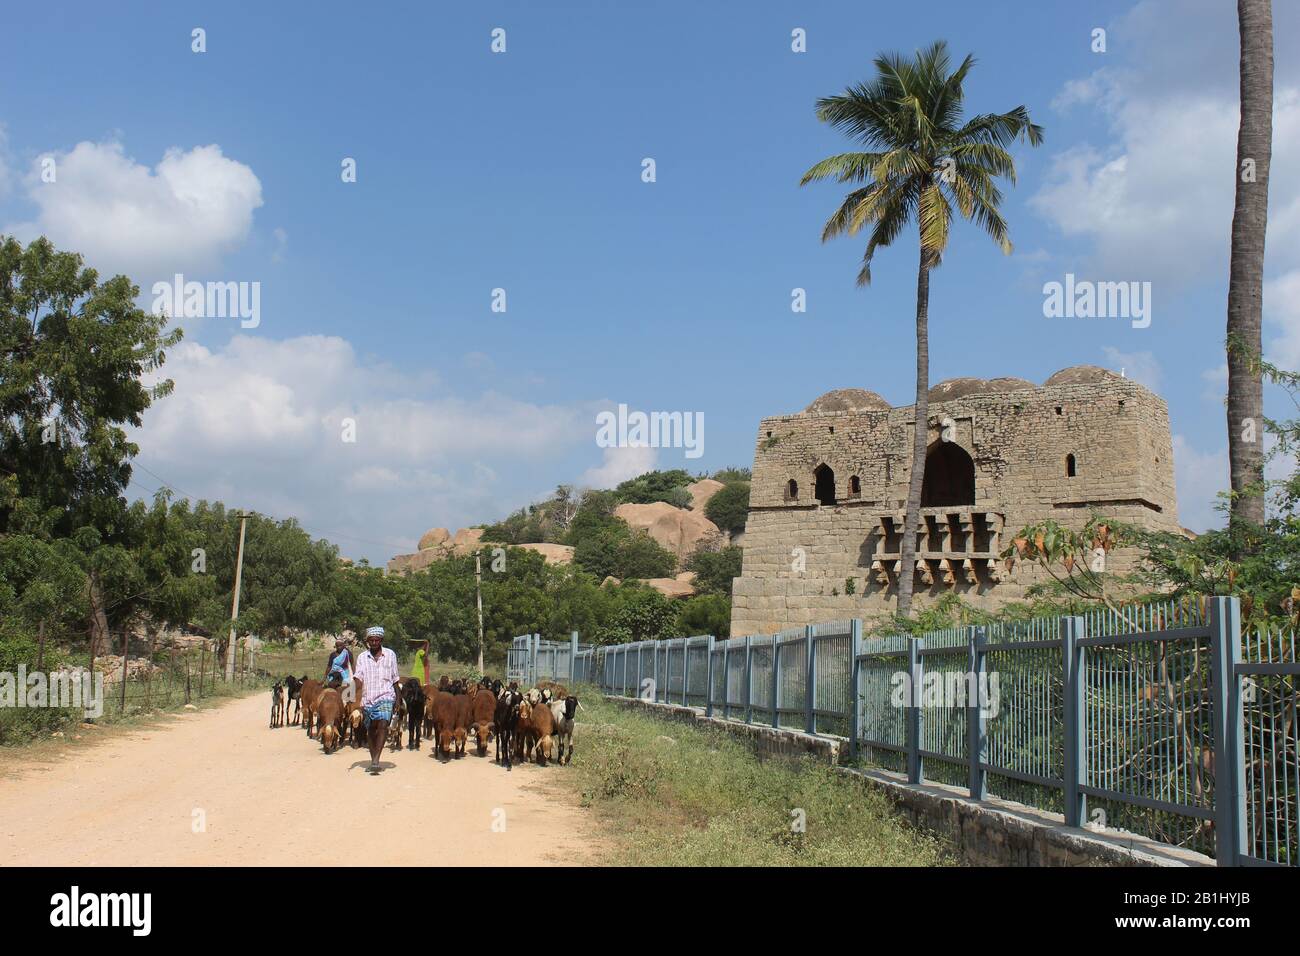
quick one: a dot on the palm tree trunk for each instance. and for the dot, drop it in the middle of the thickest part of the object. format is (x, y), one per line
(1246, 269)
(920, 442)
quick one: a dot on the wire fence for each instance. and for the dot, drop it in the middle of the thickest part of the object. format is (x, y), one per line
(1161, 719)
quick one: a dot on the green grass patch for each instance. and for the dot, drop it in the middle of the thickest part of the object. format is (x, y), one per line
(677, 795)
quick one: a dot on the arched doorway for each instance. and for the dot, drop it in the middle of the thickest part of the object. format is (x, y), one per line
(825, 488)
(949, 477)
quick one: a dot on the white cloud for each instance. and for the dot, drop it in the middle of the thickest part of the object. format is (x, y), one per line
(1282, 315)
(1157, 200)
(182, 215)
(1142, 367)
(619, 465)
(259, 424)
(1200, 476)
(1216, 383)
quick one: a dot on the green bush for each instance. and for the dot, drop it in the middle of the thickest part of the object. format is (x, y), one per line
(729, 507)
(715, 570)
(705, 614)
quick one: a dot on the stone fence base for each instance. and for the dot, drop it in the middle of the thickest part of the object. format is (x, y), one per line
(992, 832)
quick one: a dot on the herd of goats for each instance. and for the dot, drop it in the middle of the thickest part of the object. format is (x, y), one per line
(531, 724)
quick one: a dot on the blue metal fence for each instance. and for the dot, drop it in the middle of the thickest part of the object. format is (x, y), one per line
(1118, 719)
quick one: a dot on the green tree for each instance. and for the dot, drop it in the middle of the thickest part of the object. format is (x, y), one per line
(729, 507)
(715, 570)
(705, 614)
(74, 357)
(619, 551)
(922, 161)
(641, 614)
(669, 486)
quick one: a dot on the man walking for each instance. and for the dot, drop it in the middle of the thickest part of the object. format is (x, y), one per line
(380, 685)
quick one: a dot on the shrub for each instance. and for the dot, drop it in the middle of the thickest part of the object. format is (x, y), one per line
(729, 508)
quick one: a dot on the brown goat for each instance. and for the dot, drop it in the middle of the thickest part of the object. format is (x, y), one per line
(483, 712)
(329, 715)
(462, 721)
(444, 721)
(558, 690)
(430, 692)
(311, 691)
(524, 736)
(353, 718)
(543, 729)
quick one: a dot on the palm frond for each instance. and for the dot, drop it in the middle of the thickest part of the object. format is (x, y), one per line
(847, 219)
(934, 216)
(846, 167)
(891, 219)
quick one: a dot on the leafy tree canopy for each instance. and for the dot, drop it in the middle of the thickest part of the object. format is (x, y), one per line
(729, 507)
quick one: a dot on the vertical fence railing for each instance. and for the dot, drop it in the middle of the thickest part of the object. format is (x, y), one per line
(1157, 719)
(1268, 672)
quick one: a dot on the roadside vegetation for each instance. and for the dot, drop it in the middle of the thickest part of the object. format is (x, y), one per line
(676, 795)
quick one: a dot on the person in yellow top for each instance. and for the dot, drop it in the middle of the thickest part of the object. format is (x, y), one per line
(420, 666)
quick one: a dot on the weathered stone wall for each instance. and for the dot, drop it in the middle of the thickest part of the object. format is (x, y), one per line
(799, 554)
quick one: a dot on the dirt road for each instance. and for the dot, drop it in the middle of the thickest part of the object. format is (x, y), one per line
(267, 797)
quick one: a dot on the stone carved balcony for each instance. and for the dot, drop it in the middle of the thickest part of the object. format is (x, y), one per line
(952, 544)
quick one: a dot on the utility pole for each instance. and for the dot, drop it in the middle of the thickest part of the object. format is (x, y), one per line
(478, 595)
(234, 607)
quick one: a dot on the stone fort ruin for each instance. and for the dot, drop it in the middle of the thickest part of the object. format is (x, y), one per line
(830, 487)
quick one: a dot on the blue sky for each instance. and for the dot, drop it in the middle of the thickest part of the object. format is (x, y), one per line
(522, 170)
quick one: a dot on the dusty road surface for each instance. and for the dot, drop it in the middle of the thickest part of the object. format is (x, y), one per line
(271, 797)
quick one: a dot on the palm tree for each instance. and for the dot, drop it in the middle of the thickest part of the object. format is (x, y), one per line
(1246, 268)
(923, 161)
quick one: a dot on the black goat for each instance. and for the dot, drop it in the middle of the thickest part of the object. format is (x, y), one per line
(505, 719)
(413, 696)
(294, 686)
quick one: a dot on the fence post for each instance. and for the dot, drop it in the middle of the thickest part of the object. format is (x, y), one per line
(776, 682)
(977, 732)
(1229, 745)
(686, 671)
(1071, 630)
(726, 679)
(654, 673)
(708, 677)
(573, 658)
(749, 677)
(855, 648)
(534, 642)
(810, 682)
(915, 680)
